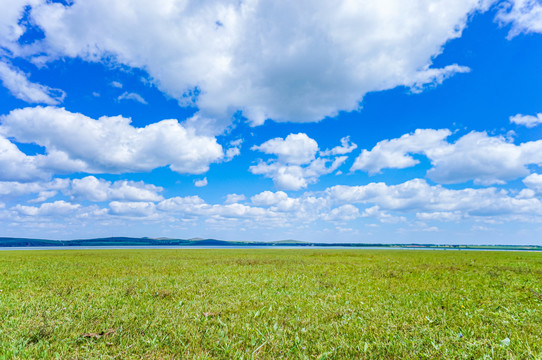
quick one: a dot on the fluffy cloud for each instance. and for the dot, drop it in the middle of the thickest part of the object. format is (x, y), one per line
(234, 198)
(132, 96)
(484, 159)
(132, 209)
(201, 183)
(534, 182)
(346, 147)
(527, 120)
(77, 143)
(226, 56)
(296, 165)
(418, 196)
(18, 84)
(88, 188)
(475, 156)
(14, 188)
(16, 165)
(385, 203)
(390, 204)
(11, 26)
(93, 189)
(296, 149)
(524, 15)
(57, 208)
(394, 154)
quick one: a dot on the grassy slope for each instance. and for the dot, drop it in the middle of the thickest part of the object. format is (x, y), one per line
(270, 304)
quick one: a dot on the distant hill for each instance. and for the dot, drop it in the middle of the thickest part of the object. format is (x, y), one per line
(163, 241)
(289, 242)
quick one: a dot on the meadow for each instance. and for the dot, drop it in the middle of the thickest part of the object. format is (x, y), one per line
(269, 304)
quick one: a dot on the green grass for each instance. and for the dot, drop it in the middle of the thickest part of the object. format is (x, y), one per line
(243, 304)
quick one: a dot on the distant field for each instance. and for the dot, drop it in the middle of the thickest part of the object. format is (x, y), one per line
(243, 304)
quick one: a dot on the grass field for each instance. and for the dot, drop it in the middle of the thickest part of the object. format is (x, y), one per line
(243, 304)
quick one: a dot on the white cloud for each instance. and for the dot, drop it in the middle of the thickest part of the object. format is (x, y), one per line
(346, 147)
(534, 182)
(295, 177)
(93, 189)
(484, 159)
(269, 198)
(394, 154)
(439, 216)
(88, 188)
(234, 198)
(296, 165)
(44, 196)
(57, 208)
(132, 96)
(390, 204)
(16, 165)
(18, 84)
(230, 55)
(14, 188)
(11, 28)
(475, 156)
(201, 183)
(295, 149)
(77, 143)
(382, 216)
(433, 77)
(524, 15)
(234, 149)
(342, 213)
(418, 196)
(527, 120)
(132, 209)
(116, 84)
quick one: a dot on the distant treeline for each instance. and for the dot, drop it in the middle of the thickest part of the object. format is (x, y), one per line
(129, 241)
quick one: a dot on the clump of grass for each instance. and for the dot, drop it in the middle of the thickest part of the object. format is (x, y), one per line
(244, 304)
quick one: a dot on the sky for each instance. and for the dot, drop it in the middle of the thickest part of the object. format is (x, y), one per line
(327, 121)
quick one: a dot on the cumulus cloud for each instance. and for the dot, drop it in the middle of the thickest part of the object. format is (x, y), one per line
(475, 156)
(57, 208)
(15, 188)
(534, 182)
(390, 204)
(18, 84)
(525, 16)
(484, 159)
(296, 165)
(529, 121)
(439, 216)
(132, 96)
(342, 213)
(88, 188)
(234, 198)
(132, 209)
(116, 84)
(93, 189)
(418, 196)
(225, 56)
(385, 203)
(394, 154)
(11, 26)
(346, 147)
(296, 149)
(201, 183)
(77, 143)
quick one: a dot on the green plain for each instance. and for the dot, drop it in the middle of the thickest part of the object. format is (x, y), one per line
(269, 304)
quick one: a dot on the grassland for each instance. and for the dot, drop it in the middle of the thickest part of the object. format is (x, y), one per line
(243, 304)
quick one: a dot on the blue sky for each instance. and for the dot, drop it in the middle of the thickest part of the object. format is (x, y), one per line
(255, 120)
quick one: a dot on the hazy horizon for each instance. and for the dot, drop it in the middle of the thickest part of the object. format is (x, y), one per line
(389, 122)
